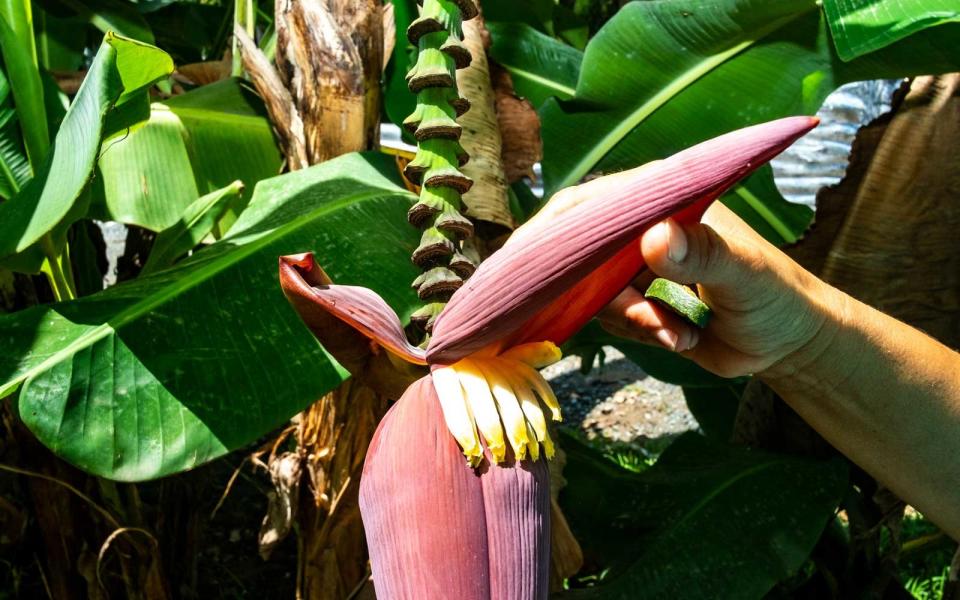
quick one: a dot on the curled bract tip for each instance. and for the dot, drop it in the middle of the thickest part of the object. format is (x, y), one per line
(315, 298)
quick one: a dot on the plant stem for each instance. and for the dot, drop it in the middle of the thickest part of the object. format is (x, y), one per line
(61, 281)
(244, 15)
(445, 253)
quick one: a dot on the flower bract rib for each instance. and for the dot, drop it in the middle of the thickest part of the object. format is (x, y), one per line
(436, 527)
(420, 513)
(521, 279)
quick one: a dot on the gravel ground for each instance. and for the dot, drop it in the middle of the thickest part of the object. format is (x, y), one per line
(618, 401)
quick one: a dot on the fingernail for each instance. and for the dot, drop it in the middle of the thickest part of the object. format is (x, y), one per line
(676, 241)
(667, 338)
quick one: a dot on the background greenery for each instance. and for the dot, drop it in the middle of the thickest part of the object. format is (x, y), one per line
(196, 353)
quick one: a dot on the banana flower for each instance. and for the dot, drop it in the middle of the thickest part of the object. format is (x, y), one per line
(454, 499)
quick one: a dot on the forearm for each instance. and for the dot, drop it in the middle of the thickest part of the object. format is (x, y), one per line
(887, 396)
(880, 391)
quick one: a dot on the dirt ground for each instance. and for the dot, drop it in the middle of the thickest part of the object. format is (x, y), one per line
(618, 401)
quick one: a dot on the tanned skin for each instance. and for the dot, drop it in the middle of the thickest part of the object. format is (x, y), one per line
(882, 392)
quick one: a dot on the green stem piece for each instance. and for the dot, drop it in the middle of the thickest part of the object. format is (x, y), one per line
(57, 269)
(679, 299)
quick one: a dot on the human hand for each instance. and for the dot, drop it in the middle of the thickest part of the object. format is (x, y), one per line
(766, 307)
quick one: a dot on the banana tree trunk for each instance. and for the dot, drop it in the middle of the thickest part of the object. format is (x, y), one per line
(333, 437)
(324, 99)
(330, 56)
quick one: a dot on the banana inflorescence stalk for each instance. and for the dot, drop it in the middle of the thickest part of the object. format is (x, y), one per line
(443, 256)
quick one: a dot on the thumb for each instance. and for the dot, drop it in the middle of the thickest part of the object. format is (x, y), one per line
(696, 253)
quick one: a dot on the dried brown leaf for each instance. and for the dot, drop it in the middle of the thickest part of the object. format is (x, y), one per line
(281, 501)
(897, 248)
(330, 57)
(487, 200)
(203, 73)
(389, 33)
(284, 116)
(519, 128)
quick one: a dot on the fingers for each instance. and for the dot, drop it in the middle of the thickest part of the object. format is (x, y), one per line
(632, 316)
(644, 279)
(698, 253)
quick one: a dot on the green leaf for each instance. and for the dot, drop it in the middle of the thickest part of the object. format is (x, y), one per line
(708, 520)
(541, 67)
(538, 14)
(20, 62)
(144, 174)
(656, 362)
(60, 41)
(398, 101)
(115, 16)
(862, 26)
(165, 372)
(714, 408)
(662, 76)
(120, 69)
(210, 137)
(196, 222)
(14, 166)
(759, 203)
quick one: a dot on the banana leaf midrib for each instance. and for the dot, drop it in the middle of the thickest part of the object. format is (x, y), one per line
(545, 81)
(677, 86)
(722, 487)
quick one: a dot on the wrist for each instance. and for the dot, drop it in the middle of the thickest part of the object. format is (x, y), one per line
(814, 359)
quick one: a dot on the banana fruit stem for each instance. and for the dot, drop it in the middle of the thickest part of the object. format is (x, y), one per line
(444, 254)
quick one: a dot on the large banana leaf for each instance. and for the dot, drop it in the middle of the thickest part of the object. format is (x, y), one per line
(193, 144)
(661, 76)
(862, 26)
(707, 521)
(540, 66)
(120, 74)
(168, 371)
